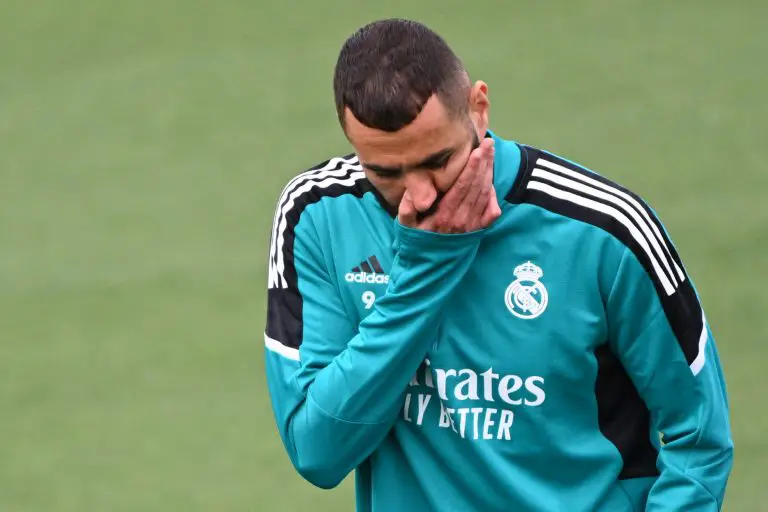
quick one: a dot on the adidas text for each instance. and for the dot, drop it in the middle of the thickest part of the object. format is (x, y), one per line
(365, 277)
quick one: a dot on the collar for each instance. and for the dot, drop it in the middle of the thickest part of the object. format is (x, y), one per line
(506, 165)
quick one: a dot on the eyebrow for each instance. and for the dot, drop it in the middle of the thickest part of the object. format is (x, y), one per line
(433, 159)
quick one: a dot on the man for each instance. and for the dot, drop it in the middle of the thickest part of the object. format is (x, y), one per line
(470, 323)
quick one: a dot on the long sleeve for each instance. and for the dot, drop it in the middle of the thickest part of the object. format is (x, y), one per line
(336, 388)
(660, 334)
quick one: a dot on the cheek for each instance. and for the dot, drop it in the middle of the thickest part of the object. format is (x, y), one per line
(445, 179)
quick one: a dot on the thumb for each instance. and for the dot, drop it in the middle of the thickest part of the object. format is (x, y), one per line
(407, 213)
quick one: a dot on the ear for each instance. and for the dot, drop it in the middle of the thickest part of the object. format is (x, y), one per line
(479, 107)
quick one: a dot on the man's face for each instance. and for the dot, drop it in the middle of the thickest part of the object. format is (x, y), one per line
(425, 157)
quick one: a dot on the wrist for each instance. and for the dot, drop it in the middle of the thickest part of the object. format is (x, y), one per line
(408, 238)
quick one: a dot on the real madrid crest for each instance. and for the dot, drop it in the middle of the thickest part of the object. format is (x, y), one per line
(526, 297)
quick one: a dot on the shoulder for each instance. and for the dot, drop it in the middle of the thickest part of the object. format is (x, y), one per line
(336, 177)
(556, 183)
(341, 176)
(571, 190)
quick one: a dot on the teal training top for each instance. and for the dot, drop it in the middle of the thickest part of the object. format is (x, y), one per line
(558, 360)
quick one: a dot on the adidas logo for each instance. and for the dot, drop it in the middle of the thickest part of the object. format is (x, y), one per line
(369, 271)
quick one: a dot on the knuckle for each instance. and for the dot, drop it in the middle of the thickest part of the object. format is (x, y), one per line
(460, 220)
(443, 219)
(462, 186)
(459, 223)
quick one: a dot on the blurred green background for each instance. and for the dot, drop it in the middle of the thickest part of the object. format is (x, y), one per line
(143, 145)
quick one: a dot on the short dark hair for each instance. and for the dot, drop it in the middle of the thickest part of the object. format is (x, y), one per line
(388, 69)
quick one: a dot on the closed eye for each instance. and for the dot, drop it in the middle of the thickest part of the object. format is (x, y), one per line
(434, 165)
(386, 174)
(437, 160)
(433, 162)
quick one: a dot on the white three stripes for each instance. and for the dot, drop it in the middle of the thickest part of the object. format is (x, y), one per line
(648, 237)
(332, 164)
(579, 187)
(291, 186)
(628, 198)
(338, 171)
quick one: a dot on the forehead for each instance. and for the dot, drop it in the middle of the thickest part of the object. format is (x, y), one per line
(433, 130)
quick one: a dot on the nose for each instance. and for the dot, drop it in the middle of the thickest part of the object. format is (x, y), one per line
(421, 188)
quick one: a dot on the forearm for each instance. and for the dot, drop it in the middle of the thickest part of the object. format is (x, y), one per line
(664, 342)
(696, 487)
(345, 410)
(697, 457)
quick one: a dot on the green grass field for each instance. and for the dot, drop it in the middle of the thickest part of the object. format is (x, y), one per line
(142, 148)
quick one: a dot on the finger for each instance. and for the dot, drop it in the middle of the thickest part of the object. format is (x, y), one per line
(467, 209)
(489, 174)
(479, 210)
(407, 213)
(485, 179)
(458, 212)
(486, 183)
(460, 188)
(492, 211)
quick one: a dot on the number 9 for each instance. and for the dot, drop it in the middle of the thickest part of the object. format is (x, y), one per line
(368, 299)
